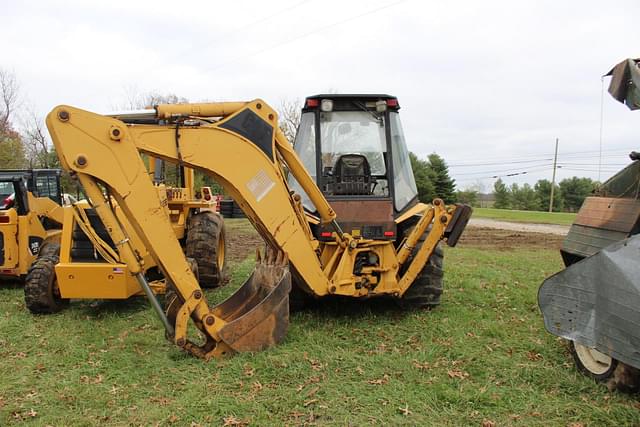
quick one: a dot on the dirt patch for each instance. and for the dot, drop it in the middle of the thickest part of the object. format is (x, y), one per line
(527, 227)
(241, 243)
(491, 238)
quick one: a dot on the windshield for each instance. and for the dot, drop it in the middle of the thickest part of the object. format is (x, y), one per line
(352, 132)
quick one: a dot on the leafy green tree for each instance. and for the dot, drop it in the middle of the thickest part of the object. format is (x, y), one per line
(424, 177)
(524, 198)
(543, 194)
(468, 197)
(445, 186)
(502, 195)
(574, 190)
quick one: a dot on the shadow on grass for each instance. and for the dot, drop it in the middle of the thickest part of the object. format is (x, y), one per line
(352, 308)
(99, 308)
(11, 284)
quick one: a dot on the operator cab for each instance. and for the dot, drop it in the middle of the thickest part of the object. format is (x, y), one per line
(354, 148)
(15, 183)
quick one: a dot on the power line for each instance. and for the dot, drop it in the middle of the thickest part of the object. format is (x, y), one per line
(544, 156)
(307, 34)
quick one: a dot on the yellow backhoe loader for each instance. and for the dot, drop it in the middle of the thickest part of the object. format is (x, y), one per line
(381, 243)
(30, 218)
(86, 264)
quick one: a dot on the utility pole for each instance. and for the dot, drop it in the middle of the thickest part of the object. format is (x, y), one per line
(553, 180)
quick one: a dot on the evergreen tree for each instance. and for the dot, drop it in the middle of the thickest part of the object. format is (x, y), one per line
(424, 177)
(445, 186)
(502, 195)
(543, 194)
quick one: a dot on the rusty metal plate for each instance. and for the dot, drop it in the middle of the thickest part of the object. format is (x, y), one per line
(609, 213)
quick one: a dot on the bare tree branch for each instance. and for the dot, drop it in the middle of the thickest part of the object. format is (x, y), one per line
(289, 115)
(9, 94)
(35, 140)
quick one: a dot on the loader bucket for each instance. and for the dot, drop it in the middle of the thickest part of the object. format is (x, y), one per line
(257, 314)
(594, 302)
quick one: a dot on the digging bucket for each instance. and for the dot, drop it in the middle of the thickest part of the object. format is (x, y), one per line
(257, 314)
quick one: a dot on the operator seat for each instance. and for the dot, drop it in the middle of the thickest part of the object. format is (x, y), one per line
(352, 175)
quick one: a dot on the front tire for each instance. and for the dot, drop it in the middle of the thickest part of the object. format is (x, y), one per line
(426, 290)
(41, 291)
(206, 244)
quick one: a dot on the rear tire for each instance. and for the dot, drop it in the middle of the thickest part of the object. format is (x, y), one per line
(41, 292)
(206, 244)
(427, 288)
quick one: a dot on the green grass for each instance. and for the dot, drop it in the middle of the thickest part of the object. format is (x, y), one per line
(482, 355)
(561, 218)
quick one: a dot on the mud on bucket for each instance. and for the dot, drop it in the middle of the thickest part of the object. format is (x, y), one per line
(257, 314)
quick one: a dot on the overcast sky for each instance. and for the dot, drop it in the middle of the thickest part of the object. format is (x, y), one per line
(488, 85)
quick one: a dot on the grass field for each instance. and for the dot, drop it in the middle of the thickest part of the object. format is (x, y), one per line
(481, 357)
(561, 218)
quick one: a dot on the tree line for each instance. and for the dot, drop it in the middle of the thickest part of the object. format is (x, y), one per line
(568, 195)
(433, 180)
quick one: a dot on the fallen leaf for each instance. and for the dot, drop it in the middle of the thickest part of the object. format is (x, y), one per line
(405, 411)
(248, 371)
(421, 366)
(488, 423)
(173, 418)
(379, 381)
(162, 401)
(32, 413)
(456, 373)
(533, 356)
(232, 421)
(360, 370)
(311, 380)
(256, 386)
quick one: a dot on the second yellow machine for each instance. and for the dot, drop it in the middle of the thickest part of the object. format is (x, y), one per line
(87, 264)
(339, 213)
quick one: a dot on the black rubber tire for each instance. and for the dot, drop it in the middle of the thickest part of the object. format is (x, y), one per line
(426, 290)
(41, 294)
(205, 239)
